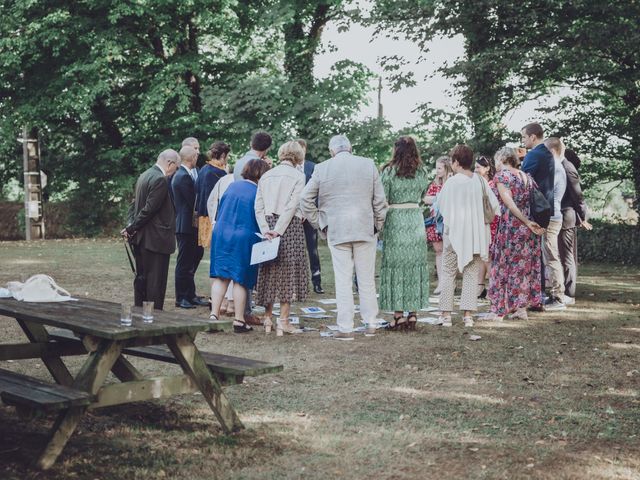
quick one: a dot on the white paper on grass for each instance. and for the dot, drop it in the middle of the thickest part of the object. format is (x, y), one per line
(430, 309)
(264, 251)
(316, 315)
(326, 334)
(327, 301)
(294, 321)
(430, 320)
(333, 328)
(313, 310)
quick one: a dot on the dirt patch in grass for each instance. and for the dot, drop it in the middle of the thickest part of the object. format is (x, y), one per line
(556, 397)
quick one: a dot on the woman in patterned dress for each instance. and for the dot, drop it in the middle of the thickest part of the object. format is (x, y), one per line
(485, 167)
(443, 172)
(285, 279)
(404, 274)
(514, 280)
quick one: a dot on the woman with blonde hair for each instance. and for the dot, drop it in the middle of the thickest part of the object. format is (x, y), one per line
(285, 279)
(443, 172)
(514, 280)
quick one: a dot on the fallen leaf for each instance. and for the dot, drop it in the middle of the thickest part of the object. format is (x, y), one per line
(474, 337)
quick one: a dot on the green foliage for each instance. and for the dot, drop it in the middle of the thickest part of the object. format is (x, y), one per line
(596, 245)
(111, 84)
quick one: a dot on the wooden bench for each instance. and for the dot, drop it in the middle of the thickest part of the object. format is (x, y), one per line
(227, 369)
(22, 391)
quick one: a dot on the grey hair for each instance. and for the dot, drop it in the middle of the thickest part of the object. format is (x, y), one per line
(190, 142)
(169, 156)
(507, 156)
(187, 153)
(339, 143)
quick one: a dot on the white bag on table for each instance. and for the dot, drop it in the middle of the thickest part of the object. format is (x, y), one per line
(39, 288)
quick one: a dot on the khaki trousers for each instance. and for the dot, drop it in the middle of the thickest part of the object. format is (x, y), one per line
(551, 256)
(362, 256)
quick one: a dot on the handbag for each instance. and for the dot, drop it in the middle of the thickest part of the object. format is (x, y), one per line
(487, 209)
(539, 207)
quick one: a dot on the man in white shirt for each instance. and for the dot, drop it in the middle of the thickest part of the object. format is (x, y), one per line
(351, 208)
(550, 247)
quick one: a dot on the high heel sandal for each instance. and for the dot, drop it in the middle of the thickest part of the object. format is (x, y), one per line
(411, 324)
(483, 292)
(397, 324)
(268, 324)
(242, 328)
(519, 314)
(283, 326)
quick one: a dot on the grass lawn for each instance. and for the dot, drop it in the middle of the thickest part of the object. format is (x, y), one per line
(556, 397)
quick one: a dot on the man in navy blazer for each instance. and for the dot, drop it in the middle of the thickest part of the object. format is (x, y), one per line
(189, 253)
(539, 163)
(539, 160)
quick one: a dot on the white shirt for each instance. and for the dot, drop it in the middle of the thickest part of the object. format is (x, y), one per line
(559, 187)
(193, 173)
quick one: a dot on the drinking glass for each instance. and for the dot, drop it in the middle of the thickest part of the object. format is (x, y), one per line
(147, 312)
(125, 315)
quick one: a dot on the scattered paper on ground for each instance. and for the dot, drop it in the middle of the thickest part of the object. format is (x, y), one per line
(327, 301)
(430, 320)
(474, 337)
(313, 310)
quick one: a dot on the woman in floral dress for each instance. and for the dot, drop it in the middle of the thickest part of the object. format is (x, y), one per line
(443, 172)
(514, 281)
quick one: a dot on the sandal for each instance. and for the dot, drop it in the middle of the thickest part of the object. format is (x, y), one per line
(519, 314)
(397, 324)
(411, 324)
(242, 328)
(213, 317)
(283, 326)
(445, 321)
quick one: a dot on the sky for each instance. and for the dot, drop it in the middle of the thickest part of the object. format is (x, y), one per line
(356, 44)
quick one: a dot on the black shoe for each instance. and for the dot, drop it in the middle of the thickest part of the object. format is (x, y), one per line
(199, 301)
(184, 304)
(483, 294)
(318, 289)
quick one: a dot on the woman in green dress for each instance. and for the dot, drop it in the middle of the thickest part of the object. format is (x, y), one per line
(404, 275)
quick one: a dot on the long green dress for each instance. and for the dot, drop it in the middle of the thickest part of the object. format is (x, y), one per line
(404, 275)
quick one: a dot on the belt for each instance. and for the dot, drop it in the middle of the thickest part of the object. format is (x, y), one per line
(404, 205)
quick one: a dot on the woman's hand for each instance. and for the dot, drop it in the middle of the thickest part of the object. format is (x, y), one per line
(271, 234)
(535, 228)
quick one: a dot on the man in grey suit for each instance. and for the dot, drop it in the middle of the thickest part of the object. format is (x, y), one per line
(151, 229)
(351, 208)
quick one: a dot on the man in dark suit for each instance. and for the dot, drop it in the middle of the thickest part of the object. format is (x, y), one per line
(310, 233)
(539, 163)
(189, 253)
(151, 229)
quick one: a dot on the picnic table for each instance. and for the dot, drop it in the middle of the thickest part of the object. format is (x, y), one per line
(92, 328)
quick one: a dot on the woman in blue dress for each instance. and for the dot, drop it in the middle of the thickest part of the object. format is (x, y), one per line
(233, 237)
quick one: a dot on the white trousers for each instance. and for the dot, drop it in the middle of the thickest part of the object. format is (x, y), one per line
(362, 256)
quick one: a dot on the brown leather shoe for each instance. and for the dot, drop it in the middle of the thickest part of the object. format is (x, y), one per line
(252, 319)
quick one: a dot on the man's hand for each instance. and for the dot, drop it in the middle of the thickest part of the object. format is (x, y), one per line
(586, 225)
(125, 234)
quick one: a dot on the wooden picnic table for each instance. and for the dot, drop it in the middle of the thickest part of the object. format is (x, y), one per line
(103, 340)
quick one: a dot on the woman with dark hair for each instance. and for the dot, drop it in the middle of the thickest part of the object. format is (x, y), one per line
(208, 176)
(404, 274)
(232, 240)
(486, 168)
(466, 233)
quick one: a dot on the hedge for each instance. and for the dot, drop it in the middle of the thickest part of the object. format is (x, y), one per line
(616, 243)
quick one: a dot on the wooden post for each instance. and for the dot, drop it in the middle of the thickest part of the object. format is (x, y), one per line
(33, 205)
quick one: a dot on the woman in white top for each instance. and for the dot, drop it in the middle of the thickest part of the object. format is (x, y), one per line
(466, 233)
(285, 279)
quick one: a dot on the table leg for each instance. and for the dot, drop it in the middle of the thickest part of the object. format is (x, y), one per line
(37, 333)
(189, 358)
(90, 378)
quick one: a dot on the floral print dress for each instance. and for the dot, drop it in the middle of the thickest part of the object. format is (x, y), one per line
(515, 253)
(432, 233)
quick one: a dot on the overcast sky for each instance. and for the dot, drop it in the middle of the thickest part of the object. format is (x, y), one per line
(356, 45)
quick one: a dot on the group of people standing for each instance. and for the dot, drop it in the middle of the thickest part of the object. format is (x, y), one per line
(482, 224)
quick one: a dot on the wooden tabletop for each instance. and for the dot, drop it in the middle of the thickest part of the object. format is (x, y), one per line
(102, 319)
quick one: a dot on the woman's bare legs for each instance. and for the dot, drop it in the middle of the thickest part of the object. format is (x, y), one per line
(218, 289)
(437, 247)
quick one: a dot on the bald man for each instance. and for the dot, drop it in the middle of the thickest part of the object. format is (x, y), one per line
(189, 253)
(151, 229)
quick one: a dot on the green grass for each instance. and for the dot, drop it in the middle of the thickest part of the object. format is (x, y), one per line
(556, 397)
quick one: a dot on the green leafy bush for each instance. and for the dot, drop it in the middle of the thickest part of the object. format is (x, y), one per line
(610, 243)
